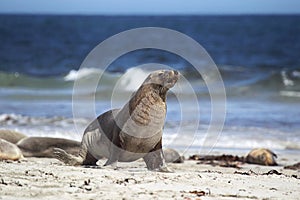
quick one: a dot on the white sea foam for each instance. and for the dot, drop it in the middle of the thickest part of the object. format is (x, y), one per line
(296, 74)
(81, 73)
(231, 137)
(132, 79)
(290, 93)
(286, 80)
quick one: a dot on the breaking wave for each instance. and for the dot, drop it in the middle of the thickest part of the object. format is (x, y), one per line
(236, 80)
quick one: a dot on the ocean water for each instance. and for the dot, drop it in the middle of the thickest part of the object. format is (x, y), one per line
(257, 56)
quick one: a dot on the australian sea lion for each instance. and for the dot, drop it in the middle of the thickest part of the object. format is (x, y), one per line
(172, 156)
(43, 146)
(9, 151)
(11, 136)
(261, 156)
(130, 133)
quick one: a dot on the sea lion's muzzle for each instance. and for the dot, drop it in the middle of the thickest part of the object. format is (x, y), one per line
(165, 79)
(173, 77)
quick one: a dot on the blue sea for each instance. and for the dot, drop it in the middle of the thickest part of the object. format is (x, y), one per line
(257, 56)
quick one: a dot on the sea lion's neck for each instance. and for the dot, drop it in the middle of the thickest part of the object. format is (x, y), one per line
(148, 99)
(163, 93)
(154, 93)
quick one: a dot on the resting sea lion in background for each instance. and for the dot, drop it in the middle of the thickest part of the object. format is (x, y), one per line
(9, 151)
(11, 136)
(43, 146)
(261, 156)
(130, 133)
(172, 156)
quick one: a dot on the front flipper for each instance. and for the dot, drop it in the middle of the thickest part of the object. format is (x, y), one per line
(155, 160)
(114, 150)
(112, 160)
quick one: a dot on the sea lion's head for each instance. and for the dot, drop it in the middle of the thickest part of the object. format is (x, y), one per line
(164, 79)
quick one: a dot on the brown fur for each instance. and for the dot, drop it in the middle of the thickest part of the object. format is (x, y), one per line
(261, 156)
(147, 96)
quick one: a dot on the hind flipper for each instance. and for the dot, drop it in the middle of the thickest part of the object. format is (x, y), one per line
(66, 158)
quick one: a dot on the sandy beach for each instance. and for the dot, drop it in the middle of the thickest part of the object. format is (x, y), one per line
(45, 178)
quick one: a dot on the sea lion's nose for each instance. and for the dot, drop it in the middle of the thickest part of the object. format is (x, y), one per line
(175, 72)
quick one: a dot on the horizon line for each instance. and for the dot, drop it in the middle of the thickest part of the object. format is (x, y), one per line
(147, 14)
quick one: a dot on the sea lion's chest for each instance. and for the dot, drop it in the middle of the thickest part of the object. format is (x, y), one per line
(143, 127)
(145, 120)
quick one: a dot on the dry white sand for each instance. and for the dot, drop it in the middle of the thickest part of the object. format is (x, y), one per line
(44, 178)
